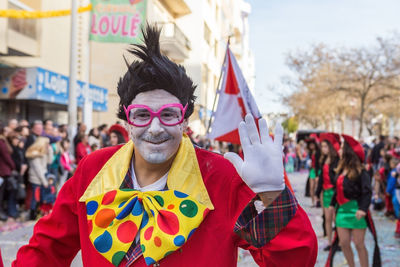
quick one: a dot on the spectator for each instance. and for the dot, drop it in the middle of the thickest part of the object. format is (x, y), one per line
(21, 167)
(66, 163)
(38, 155)
(36, 131)
(104, 138)
(55, 165)
(376, 153)
(81, 132)
(49, 131)
(23, 131)
(94, 139)
(63, 131)
(24, 123)
(12, 124)
(6, 167)
(82, 148)
(48, 196)
(118, 135)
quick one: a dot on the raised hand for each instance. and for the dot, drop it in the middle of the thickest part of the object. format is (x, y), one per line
(262, 168)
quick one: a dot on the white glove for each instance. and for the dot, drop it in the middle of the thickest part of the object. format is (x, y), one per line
(262, 168)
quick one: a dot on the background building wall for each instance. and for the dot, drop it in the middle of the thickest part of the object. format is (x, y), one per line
(205, 24)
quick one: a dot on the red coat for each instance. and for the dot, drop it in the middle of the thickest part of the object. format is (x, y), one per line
(58, 237)
(6, 163)
(81, 151)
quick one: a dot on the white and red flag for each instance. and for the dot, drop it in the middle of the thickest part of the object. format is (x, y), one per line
(235, 101)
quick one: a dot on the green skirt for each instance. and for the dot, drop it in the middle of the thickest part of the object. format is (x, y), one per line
(327, 197)
(313, 174)
(346, 216)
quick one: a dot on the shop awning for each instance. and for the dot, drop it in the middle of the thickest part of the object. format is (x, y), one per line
(40, 84)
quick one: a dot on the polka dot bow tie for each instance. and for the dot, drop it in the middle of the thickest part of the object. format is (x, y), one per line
(165, 220)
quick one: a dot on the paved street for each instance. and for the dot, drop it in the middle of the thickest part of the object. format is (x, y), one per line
(11, 240)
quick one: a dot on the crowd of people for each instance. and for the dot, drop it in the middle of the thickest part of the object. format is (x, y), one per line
(36, 160)
(345, 178)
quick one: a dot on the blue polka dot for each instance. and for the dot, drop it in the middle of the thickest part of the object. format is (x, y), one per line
(192, 232)
(152, 212)
(180, 194)
(125, 212)
(145, 220)
(137, 209)
(103, 243)
(4, 90)
(149, 260)
(121, 204)
(179, 240)
(91, 207)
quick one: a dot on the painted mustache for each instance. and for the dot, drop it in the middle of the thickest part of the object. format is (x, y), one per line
(155, 139)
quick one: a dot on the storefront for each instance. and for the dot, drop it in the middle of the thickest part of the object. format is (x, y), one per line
(37, 94)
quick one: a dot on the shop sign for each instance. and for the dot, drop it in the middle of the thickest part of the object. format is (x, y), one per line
(41, 84)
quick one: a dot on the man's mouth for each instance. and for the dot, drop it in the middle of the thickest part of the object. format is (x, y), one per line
(156, 142)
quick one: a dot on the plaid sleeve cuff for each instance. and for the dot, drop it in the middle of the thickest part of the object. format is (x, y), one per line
(259, 228)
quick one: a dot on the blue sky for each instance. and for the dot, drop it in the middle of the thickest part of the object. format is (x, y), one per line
(280, 26)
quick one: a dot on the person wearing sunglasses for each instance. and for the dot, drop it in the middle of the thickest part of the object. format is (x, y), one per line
(159, 200)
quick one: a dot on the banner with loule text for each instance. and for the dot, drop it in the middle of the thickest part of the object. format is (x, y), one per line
(117, 21)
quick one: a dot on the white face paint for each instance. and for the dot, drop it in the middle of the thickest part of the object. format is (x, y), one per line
(156, 143)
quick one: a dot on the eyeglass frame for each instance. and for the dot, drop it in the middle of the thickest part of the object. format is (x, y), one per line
(155, 114)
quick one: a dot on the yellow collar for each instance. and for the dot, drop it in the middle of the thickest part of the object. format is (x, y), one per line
(184, 175)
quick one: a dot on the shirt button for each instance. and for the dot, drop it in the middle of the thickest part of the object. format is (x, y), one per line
(156, 264)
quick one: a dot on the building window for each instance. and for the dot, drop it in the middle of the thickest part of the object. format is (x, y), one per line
(207, 34)
(217, 10)
(216, 49)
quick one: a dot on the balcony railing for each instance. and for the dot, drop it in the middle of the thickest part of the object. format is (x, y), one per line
(177, 8)
(27, 27)
(171, 31)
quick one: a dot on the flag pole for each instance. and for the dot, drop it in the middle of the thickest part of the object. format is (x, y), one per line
(72, 102)
(218, 89)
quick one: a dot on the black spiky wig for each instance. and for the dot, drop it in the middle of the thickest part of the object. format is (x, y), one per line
(154, 71)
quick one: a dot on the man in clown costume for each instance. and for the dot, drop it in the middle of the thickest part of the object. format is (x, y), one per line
(160, 201)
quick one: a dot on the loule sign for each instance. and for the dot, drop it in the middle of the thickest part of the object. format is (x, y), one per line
(117, 21)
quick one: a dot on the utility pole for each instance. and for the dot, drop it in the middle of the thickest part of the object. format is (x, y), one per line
(84, 43)
(72, 101)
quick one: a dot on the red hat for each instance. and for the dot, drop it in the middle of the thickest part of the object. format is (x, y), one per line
(356, 146)
(119, 128)
(313, 138)
(332, 138)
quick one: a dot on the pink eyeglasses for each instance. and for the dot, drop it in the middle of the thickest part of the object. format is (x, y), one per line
(142, 115)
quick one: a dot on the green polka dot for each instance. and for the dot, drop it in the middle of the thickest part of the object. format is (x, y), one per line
(188, 208)
(126, 189)
(117, 257)
(111, 223)
(168, 253)
(143, 248)
(160, 200)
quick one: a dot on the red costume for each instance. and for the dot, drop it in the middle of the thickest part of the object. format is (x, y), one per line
(58, 237)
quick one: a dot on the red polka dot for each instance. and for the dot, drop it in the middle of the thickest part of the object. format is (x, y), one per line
(168, 222)
(157, 241)
(104, 217)
(170, 207)
(90, 226)
(148, 233)
(109, 197)
(127, 231)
